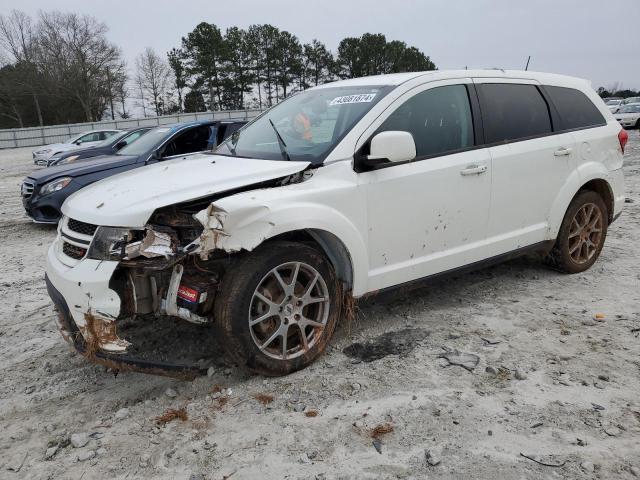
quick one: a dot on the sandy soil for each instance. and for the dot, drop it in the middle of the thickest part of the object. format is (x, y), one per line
(574, 403)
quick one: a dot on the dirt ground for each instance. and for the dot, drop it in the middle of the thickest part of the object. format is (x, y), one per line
(561, 389)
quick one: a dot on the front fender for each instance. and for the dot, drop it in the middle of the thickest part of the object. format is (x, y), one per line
(242, 222)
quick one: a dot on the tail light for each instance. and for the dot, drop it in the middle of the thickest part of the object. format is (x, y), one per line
(623, 137)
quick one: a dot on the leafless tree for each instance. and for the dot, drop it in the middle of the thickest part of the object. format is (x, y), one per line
(76, 53)
(19, 45)
(153, 75)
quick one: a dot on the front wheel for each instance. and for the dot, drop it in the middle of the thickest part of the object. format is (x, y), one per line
(582, 234)
(278, 307)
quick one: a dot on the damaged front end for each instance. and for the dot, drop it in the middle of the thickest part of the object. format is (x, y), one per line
(165, 278)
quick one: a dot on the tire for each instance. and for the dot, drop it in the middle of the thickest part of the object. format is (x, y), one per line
(251, 291)
(577, 248)
(638, 124)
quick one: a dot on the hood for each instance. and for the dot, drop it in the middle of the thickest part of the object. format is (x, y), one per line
(92, 151)
(627, 115)
(55, 147)
(128, 199)
(82, 168)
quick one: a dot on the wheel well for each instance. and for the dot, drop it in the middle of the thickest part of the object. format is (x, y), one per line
(602, 188)
(330, 245)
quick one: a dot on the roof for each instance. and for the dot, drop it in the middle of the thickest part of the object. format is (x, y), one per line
(399, 78)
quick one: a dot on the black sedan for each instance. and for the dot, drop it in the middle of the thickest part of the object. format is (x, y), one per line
(44, 191)
(109, 146)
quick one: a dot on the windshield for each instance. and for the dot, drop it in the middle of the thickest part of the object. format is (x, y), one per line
(305, 127)
(613, 102)
(630, 109)
(632, 100)
(147, 142)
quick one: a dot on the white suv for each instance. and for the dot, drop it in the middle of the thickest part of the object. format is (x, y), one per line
(337, 192)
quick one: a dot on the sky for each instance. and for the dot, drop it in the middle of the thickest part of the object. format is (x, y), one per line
(594, 39)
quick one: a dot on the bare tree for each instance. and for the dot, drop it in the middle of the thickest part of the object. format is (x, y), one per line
(153, 75)
(76, 53)
(19, 43)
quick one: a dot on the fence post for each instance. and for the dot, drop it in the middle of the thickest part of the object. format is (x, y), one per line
(15, 139)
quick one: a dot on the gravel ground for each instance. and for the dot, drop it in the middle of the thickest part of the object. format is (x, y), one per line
(561, 388)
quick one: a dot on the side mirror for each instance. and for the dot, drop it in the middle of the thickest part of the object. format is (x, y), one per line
(77, 142)
(392, 146)
(121, 144)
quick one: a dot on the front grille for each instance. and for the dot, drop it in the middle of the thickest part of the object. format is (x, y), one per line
(81, 227)
(72, 251)
(27, 189)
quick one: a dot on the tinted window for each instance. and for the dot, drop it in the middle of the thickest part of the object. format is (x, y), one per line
(575, 108)
(439, 120)
(91, 137)
(513, 111)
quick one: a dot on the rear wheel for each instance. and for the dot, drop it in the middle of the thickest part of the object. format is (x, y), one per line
(582, 234)
(278, 308)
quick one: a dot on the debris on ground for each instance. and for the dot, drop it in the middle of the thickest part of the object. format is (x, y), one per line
(79, 440)
(433, 456)
(171, 414)
(263, 398)
(380, 430)
(377, 444)
(468, 361)
(547, 462)
(311, 413)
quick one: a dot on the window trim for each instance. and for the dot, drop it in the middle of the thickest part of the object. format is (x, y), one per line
(477, 128)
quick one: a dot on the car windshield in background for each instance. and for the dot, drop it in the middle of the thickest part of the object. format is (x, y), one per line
(630, 109)
(306, 126)
(113, 138)
(148, 141)
(614, 102)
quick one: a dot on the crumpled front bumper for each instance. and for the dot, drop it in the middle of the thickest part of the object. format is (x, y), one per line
(77, 291)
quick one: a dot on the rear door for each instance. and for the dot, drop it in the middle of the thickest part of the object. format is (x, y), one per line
(530, 163)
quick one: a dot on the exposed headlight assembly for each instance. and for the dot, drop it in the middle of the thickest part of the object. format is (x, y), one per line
(55, 186)
(117, 243)
(109, 242)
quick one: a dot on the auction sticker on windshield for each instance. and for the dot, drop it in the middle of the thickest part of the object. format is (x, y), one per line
(361, 98)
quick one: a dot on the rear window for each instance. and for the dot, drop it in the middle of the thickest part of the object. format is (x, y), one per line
(513, 112)
(575, 108)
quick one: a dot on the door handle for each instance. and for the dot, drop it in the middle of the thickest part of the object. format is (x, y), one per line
(563, 151)
(474, 170)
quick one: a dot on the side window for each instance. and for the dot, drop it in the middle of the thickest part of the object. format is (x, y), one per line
(512, 112)
(90, 137)
(439, 119)
(193, 140)
(575, 108)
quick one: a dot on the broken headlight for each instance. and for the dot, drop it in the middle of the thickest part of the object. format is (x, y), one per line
(109, 242)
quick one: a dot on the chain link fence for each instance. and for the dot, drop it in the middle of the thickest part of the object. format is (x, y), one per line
(36, 136)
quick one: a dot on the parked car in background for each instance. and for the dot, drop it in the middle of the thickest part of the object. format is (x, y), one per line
(337, 192)
(613, 104)
(629, 100)
(86, 139)
(629, 115)
(107, 147)
(44, 191)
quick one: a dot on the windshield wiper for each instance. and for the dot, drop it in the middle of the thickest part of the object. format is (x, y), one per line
(283, 146)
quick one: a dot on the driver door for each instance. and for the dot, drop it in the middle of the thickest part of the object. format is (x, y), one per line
(430, 214)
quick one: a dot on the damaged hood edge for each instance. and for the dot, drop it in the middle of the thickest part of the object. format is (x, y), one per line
(130, 198)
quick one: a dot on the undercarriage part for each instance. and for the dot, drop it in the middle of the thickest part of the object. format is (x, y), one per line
(191, 350)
